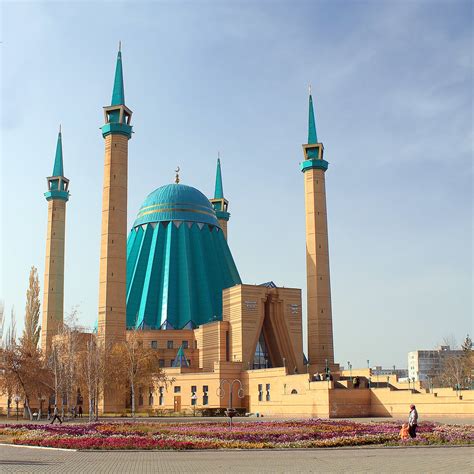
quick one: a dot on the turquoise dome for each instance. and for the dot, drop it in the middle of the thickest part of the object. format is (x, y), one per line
(176, 202)
(178, 261)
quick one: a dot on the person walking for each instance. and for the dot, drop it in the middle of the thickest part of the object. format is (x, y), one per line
(80, 411)
(56, 415)
(412, 421)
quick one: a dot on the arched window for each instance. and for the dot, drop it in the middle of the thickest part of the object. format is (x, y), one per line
(294, 392)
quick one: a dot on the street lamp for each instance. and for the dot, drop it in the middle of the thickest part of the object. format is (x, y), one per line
(41, 399)
(194, 401)
(17, 400)
(349, 365)
(230, 412)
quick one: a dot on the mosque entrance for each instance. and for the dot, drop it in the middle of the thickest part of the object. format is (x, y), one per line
(274, 346)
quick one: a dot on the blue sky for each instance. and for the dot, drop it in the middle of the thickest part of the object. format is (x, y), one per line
(392, 85)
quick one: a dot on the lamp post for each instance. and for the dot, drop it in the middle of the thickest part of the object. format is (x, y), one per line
(231, 411)
(17, 400)
(42, 399)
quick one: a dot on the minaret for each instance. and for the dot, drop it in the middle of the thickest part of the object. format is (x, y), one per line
(113, 257)
(53, 296)
(320, 338)
(219, 203)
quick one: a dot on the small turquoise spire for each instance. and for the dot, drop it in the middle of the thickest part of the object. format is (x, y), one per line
(180, 359)
(58, 169)
(118, 94)
(312, 135)
(219, 189)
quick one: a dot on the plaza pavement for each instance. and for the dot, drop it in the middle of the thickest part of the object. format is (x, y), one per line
(421, 460)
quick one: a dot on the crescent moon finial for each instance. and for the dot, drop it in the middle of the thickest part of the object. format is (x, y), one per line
(177, 175)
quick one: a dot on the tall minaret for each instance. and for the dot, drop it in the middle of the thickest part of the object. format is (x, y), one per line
(53, 297)
(219, 203)
(320, 339)
(113, 250)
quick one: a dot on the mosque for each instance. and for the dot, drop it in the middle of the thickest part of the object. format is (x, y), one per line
(174, 279)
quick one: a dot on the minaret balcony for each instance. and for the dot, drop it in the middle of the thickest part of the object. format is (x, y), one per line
(58, 188)
(117, 120)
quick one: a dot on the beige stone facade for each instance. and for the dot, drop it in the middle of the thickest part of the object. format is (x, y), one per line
(53, 293)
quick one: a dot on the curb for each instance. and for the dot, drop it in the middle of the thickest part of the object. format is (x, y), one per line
(38, 447)
(346, 448)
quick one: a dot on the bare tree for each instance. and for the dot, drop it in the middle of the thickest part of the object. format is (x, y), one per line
(2, 321)
(11, 334)
(91, 365)
(24, 372)
(457, 366)
(32, 330)
(135, 366)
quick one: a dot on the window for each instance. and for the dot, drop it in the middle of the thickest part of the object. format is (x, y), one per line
(177, 389)
(150, 397)
(161, 363)
(140, 398)
(205, 388)
(193, 389)
(169, 344)
(154, 344)
(261, 358)
(227, 347)
(205, 398)
(184, 344)
(267, 396)
(294, 392)
(161, 398)
(260, 392)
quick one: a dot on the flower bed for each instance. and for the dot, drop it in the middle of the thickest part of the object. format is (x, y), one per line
(312, 433)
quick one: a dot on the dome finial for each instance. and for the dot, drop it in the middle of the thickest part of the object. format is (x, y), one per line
(176, 180)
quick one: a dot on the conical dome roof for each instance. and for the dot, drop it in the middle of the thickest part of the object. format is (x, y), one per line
(176, 202)
(178, 261)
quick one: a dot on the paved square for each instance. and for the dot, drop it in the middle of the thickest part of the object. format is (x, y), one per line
(436, 459)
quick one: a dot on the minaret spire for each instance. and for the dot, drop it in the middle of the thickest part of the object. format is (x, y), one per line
(118, 94)
(219, 189)
(312, 135)
(219, 203)
(58, 169)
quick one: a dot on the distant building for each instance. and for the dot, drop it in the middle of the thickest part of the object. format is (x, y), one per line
(423, 365)
(400, 373)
